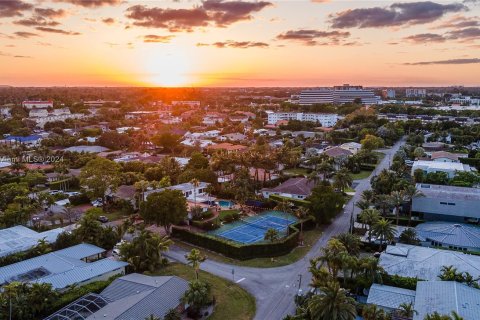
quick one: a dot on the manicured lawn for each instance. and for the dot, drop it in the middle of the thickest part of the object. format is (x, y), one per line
(223, 213)
(361, 175)
(295, 172)
(380, 156)
(114, 215)
(233, 302)
(349, 189)
(310, 237)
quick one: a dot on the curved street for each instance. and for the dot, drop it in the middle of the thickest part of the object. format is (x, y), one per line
(274, 288)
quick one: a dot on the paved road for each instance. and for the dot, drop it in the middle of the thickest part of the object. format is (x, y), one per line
(274, 288)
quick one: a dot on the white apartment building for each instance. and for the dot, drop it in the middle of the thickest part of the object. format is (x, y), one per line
(186, 103)
(42, 116)
(415, 93)
(465, 100)
(37, 104)
(99, 103)
(339, 94)
(325, 119)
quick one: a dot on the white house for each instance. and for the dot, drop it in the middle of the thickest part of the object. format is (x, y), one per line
(435, 166)
(353, 147)
(189, 191)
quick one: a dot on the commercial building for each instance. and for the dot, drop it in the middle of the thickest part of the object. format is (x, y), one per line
(294, 188)
(20, 238)
(426, 263)
(338, 94)
(415, 93)
(99, 103)
(450, 168)
(186, 103)
(64, 267)
(447, 203)
(442, 297)
(324, 119)
(134, 296)
(42, 116)
(29, 104)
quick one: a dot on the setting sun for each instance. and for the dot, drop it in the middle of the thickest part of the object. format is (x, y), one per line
(169, 70)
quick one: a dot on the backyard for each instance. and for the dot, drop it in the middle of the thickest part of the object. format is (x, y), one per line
(232, 301)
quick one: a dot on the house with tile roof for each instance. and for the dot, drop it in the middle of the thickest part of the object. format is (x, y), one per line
(295, 188)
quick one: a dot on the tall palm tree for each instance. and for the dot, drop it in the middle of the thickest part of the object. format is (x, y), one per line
(368, 195)
(372, 271)
(197, 296)
(397, 198)
(301, 213)
(384, 230)
(383, 201)
(411, 192)
(370, 217)
(437, 316)
(195, 258)
(332, 304)
(196, 183)
(342, 179)
(363, 204)
(351, 242)
(325, 168)
(332, 255)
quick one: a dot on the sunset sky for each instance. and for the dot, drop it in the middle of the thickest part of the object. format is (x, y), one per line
(239, 43)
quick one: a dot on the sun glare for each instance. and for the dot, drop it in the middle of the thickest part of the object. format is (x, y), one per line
(169, 70)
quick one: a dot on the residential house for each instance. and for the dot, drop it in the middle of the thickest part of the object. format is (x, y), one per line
(338, 154)
(227, 147)
(454, 236)
(444, 156)
(64, 268)
(442, 297)
(447, 203)
(19, 238)
(134, 296)
(353, 147)
(294, 188)
(31, 140)
(189, 191)
(450, 168)
(232, 137)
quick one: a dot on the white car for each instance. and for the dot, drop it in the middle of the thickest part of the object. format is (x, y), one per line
(97, 203)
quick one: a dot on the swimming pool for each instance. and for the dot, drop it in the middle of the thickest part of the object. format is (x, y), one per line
(253, 229)
(225, 203)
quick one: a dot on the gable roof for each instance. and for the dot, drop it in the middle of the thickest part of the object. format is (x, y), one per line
(444, 154)
(389, 297)
(337, 152)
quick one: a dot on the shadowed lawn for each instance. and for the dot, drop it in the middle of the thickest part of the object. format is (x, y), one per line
(233, 302)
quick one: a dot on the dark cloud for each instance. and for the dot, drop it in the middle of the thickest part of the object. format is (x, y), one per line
(397, 14)
(13, 8)
(108, 21)
(460, 22)
(50, 13)
(314, 37)
(19, 56)
(59, 31)
(37, 21)
(92, 3)
(23, 34)
(235, 44)
(450, 61)
(153, 38)
(424, 38)
(464, 34)
(211, 12)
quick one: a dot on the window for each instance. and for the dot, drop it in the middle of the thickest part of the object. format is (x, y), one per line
(451, 204)
(445, 203)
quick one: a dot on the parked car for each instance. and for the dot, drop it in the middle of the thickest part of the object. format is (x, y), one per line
(102, 219)
(97, 203)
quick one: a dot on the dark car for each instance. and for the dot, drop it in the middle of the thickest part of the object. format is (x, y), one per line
(102, 219)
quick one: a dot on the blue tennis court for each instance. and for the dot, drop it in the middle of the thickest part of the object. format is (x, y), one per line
(253, 229)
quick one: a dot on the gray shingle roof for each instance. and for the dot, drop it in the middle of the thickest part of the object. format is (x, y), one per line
(389, 297)
(445, 297)
(298, 186)
(447, 233)
(426, 263)
(448, 192)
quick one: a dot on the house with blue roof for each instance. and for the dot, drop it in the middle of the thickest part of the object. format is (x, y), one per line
(76, 265)
(31, 140)
(20, 238)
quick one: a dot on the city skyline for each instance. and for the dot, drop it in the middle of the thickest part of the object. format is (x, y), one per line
(239, 43)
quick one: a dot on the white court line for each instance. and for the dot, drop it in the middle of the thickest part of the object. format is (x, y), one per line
(239, 280)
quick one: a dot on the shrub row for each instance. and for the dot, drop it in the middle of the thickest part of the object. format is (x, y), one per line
(367, 166)
(475, 162)
(400, 282)
(243, 252)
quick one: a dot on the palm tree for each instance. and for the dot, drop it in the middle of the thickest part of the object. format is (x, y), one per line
(351, 242)
(372, 312)
(196, 183)
(195, 258)
(301, 213)
(383, 201)
(397, 198)
(332, 255)
(325, 168)
(368, 195)
(363, 204)
(456, 316)
(411, 192)
(271, 234)
(69, 213)
(437, 316)
(332, 304)
(342, 179)
(369, 217)
(409, 236)
(152, 317)
(384, 230)
(406, 310)
(372, 271)
(197, 296)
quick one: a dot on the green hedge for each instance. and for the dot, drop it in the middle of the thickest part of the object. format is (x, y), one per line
(243, 252)
(471, 161)
(297, 202)
(400, 282)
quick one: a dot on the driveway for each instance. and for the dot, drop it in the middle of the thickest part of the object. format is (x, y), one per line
(274, 288)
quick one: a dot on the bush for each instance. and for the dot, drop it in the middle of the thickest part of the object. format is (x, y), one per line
(243, 252)
(206, 225)
(400, 282)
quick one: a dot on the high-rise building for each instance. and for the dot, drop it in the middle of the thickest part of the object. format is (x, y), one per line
(338, 94)
(324, 119)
